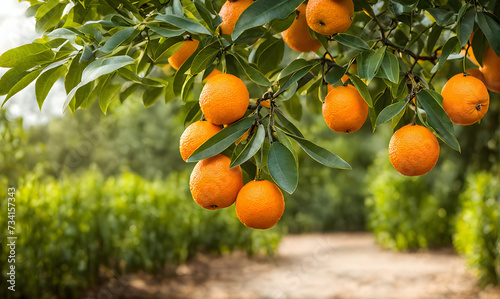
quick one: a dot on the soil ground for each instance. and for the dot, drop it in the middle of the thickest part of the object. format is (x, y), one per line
(339, 265)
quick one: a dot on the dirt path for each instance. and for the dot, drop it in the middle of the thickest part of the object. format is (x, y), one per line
(317, 266)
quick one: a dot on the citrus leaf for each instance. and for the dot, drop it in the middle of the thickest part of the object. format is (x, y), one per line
(335, 74)
(251, 148)
(437, 118)
(390, 112)
(283, 167)
(193, 110)
(22, 83)
(369, 62)
(294, 107)
(490, 27)
(287, 125)
(222, 140)
(166, 32)
(109, 93)
(294, 72)
(28, 55)
(352, 41)
(262, 11)
(465, 27)
(433, 37)
(362, 89)
(319, 154)
(117, 39)
(204, 58)
(253, 73)
(449, 47)
(45, 82)
(389, 68)
(185, 23)
(442, 17)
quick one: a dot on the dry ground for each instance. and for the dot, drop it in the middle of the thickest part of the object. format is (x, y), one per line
(340, 265)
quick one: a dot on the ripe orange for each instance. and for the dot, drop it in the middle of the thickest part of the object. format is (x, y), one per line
(260, 204)
(230, 13)
(224, 99)
(465, 99)
(413, 150)
(213, 184)
(195, 135)
(491, 70)
(297, 36)
(344, 110)
(212, 74)
(181, 55)
(329, 17)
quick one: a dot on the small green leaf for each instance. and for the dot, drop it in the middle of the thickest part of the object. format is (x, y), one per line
(451, 46)
(270, 54)
(335, 74)
(261, 12)
(204, 58)
(283, 167)
(151, 95)
(437, 118)
(109, 93)
(369, 62)
(166, 32)
(251, 148)
(319, 154)
(442, 17)
(253, 73)
(29, 55)
(294, 107)
(490, 27)
(45, 82)
(221, 140)
(294, 72)
(465, 27)
(389, 68)
(433, 37)
(193, 110)
(352, 41)
(362, 89)
(287, 125)
(117, 39)
(390, 112)
(185, 23)
(22, 83)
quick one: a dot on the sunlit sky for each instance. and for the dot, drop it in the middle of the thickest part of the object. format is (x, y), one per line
(16, 29)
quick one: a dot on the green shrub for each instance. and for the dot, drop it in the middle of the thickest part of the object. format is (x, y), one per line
(478, 226)
(70, 229)
(411, 212)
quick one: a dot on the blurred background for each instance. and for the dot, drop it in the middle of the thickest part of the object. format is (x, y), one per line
(103, 196)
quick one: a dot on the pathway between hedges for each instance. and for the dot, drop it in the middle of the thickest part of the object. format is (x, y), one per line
(340, 265)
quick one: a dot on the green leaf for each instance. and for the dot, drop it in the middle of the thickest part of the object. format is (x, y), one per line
(151, 95)
(205, 57)
(45, 82)
(352, 41)
(294, 107)
(185, 23)
(389, 68)
(251, 148)
(437, 118)
(362, 89)
(490, 27)
(222, 140)
(270, 54)
(166, 32)
(180, 76)
(195, 11)
(49, 15)
(479, 45)
(390, 112)
(287, 125)
(109, 93)
(369, 62)
(96, 69)
(283, 167)
(261, 12)
(442, 17)
(117, 39)
(253, 73)
(449, 47)
(433, 38)
(193, 110)
(26, 55)
(22, 83)
(127, 90)
(295, 71)
(167, 48)
(319, 154)
(465, 27)
(335, 74)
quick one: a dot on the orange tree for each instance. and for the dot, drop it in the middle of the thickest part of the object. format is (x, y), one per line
(356, 61)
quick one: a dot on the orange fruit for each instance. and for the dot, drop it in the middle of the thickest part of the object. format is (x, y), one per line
(465, 99)
(213, 184)
(344, 110)
(329, 17)
(297, 36)
(230, 13)
(344, 80)
(266, 104)
(413, 150)
(224, 99)
(477, 74)
(491, 70)
(212, 74)
(260, 204)
(195, 135)
(184, 52)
